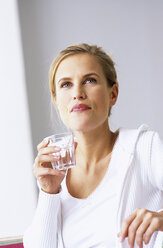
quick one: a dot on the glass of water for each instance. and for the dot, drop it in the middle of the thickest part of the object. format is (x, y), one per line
(66, 155)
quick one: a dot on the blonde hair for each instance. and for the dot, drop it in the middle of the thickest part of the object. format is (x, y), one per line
(104, 59)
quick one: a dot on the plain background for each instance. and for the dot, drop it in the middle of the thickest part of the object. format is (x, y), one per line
(131, 31)
(18, 193)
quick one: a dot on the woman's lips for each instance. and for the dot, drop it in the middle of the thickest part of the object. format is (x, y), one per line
(80, 108)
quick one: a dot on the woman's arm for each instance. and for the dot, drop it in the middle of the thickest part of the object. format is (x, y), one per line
(142, 223)
(43, 230)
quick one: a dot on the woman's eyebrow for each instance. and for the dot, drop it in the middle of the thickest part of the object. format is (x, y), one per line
(63, 79)
(91, 74)
(84, 76)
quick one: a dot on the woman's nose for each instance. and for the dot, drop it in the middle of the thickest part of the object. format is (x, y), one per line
(78, 94)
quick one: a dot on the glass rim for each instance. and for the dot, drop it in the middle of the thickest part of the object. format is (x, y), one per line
(60, 134)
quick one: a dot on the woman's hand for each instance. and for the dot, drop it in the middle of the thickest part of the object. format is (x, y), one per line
(49, 178)
(140, 226)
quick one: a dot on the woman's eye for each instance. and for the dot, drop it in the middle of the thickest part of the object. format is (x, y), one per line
(90, 80)
(65, 84)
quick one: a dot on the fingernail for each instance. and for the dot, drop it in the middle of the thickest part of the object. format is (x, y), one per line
(145, 240)
(56, 156)
(45, 141)
(63, 172)
(120, 239)
(56, 148)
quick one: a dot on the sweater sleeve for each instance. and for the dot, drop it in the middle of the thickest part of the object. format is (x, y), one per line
(43, 230)
(156, 161)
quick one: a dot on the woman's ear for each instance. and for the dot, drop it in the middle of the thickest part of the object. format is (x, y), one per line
(114, 94)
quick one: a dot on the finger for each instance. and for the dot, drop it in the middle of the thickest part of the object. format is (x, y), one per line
(134, 227)
(146, 223)
(138, 227)
(140, 233)
(154, 226)
(132, 230)
(43, 143)
(49, 171)
(125, 226)
(42, 159)
(48, 150)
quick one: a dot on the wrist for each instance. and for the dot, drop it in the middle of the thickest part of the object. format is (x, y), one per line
(54, 191)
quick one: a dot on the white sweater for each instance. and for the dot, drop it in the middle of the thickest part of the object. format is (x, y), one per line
(140, 161)
(85, 221)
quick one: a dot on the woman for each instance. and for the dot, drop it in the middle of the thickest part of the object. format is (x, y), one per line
(114, 195)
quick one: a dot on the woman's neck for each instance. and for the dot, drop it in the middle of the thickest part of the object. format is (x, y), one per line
(94, 146)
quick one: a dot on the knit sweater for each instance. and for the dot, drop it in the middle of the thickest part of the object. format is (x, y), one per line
(140, 160)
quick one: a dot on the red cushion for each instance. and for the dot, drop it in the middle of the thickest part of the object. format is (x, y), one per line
(20, 245)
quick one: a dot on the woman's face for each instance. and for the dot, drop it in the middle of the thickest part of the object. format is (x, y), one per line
(83, 97)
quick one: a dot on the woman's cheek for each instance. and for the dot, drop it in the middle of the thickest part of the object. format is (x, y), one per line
(64, 113)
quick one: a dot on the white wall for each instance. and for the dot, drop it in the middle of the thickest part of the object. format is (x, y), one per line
(130, 30)
(17, 187)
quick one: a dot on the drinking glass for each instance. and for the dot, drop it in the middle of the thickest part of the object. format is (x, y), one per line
(66, 155)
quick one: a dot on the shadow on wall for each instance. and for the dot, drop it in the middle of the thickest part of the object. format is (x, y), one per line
(34, 36)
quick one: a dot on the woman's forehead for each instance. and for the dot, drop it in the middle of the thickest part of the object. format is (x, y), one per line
(83, 63)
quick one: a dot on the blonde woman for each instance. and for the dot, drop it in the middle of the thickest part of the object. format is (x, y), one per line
(114, 195)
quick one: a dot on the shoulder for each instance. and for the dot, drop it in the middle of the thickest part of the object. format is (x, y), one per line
(146, 147)
(131, 138)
